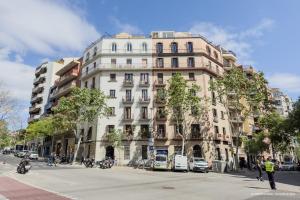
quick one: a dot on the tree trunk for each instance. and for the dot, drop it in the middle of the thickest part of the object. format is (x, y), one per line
(183, 144)
(237, 149)
(77, 148)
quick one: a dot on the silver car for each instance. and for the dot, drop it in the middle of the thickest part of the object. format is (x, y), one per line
(198, 164)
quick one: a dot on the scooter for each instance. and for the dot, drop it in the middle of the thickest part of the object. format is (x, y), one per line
(89, 163)
(24, 166)
(106, 163)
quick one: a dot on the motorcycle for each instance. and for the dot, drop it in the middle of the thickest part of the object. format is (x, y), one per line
(24, 166)
(106, 163)
(89, 163)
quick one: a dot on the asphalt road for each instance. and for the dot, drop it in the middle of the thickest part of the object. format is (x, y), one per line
(76, 182)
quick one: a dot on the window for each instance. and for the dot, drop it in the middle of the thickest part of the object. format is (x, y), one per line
(216, 129)
(144, 78)
(159, 48)
(194, 110)
(128, 77)
(87, 70)
(160, 62)
(222, 115)
(216, 55)
(127, 113)
(217, 69)
(191, 62)
(114, 47)
(160, 78)
(144, 152)
(126, 152)
(112, 93)
(111, 111)
(129, 61)
(213, 97)
(177, 150)
(224, 131)
(128, 129)
(113, 61)
(195, 130)
(95, 51)
(174, 47)
(128, 95)
(94, 65)
(144, 47)
(144, 112)
(112, 77)
(89, 134)
(174, 62)
(226, 154)
(190, 48)
(208, 51)
(110, 128)
(144, 62)
(145, 130)
(87, 57)
(86, 84)
(129, 47)
(191, 76)
(215, 114)
(144, 94)
(161, 131)
(93, 83)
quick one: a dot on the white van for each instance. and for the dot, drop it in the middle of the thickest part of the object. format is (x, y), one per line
(160, 162)
(180, 163)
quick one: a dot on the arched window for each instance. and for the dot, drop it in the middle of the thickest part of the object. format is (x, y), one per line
(114, 47)
(216, 55)
(190, 47)
(144, 46)
(197, 153)
(95, 51)
(208, 50)
(159, 48)
(129, 47)
(174, 47)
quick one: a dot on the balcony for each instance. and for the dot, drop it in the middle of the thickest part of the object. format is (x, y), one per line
(36, 98)
(127, 117)
(161, 135)
(41, 70)
(225, 137)
(144, 83)
(160, 83)
(66, 78)
(144, 100)
(127, 135)
(37, 89)
(160, 99)
(196, 136)
(127, 100)
(161, 117)
(33, 118)
(34, 109)
(38, 80)
(128, 83)
(63, 91)
(218, 136)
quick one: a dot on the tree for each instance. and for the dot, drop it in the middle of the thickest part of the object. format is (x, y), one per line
(41, 128)
(83, 105)
(294, 117)
(256, 145)
(5, 137)
(278, 130)
(6, 104)
(115, 139)
(181, 101)
(241, 95)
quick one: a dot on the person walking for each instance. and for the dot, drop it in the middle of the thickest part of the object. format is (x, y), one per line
(259, 169)
(270, 172)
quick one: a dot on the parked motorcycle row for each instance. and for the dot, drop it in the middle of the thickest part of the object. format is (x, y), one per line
(103, 164)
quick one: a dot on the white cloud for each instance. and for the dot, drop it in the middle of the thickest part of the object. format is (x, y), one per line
(235, 41)
(286, 81)
(43, 27)
(125, 27)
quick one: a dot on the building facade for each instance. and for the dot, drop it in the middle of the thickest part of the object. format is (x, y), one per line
(120, 66)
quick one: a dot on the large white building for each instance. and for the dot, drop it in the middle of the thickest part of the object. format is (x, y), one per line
(282, 102)
(120, 66)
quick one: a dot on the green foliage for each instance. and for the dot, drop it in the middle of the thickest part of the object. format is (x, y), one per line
(181, 98)
(279, 130)
(115, 138)
(5, 137)
(43, 127)
(256, 145)
(294, 117)
(83, 105)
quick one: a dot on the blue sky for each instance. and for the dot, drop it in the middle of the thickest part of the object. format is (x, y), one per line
(264, 34)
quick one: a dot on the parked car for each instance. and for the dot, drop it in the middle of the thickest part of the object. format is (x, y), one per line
(160, 162)
(33, 155)
(22, 154)
(198, 164)
(288, 166)
(179, 163)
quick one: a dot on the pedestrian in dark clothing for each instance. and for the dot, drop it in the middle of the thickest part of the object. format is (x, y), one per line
(270, 172)
(259, 169)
